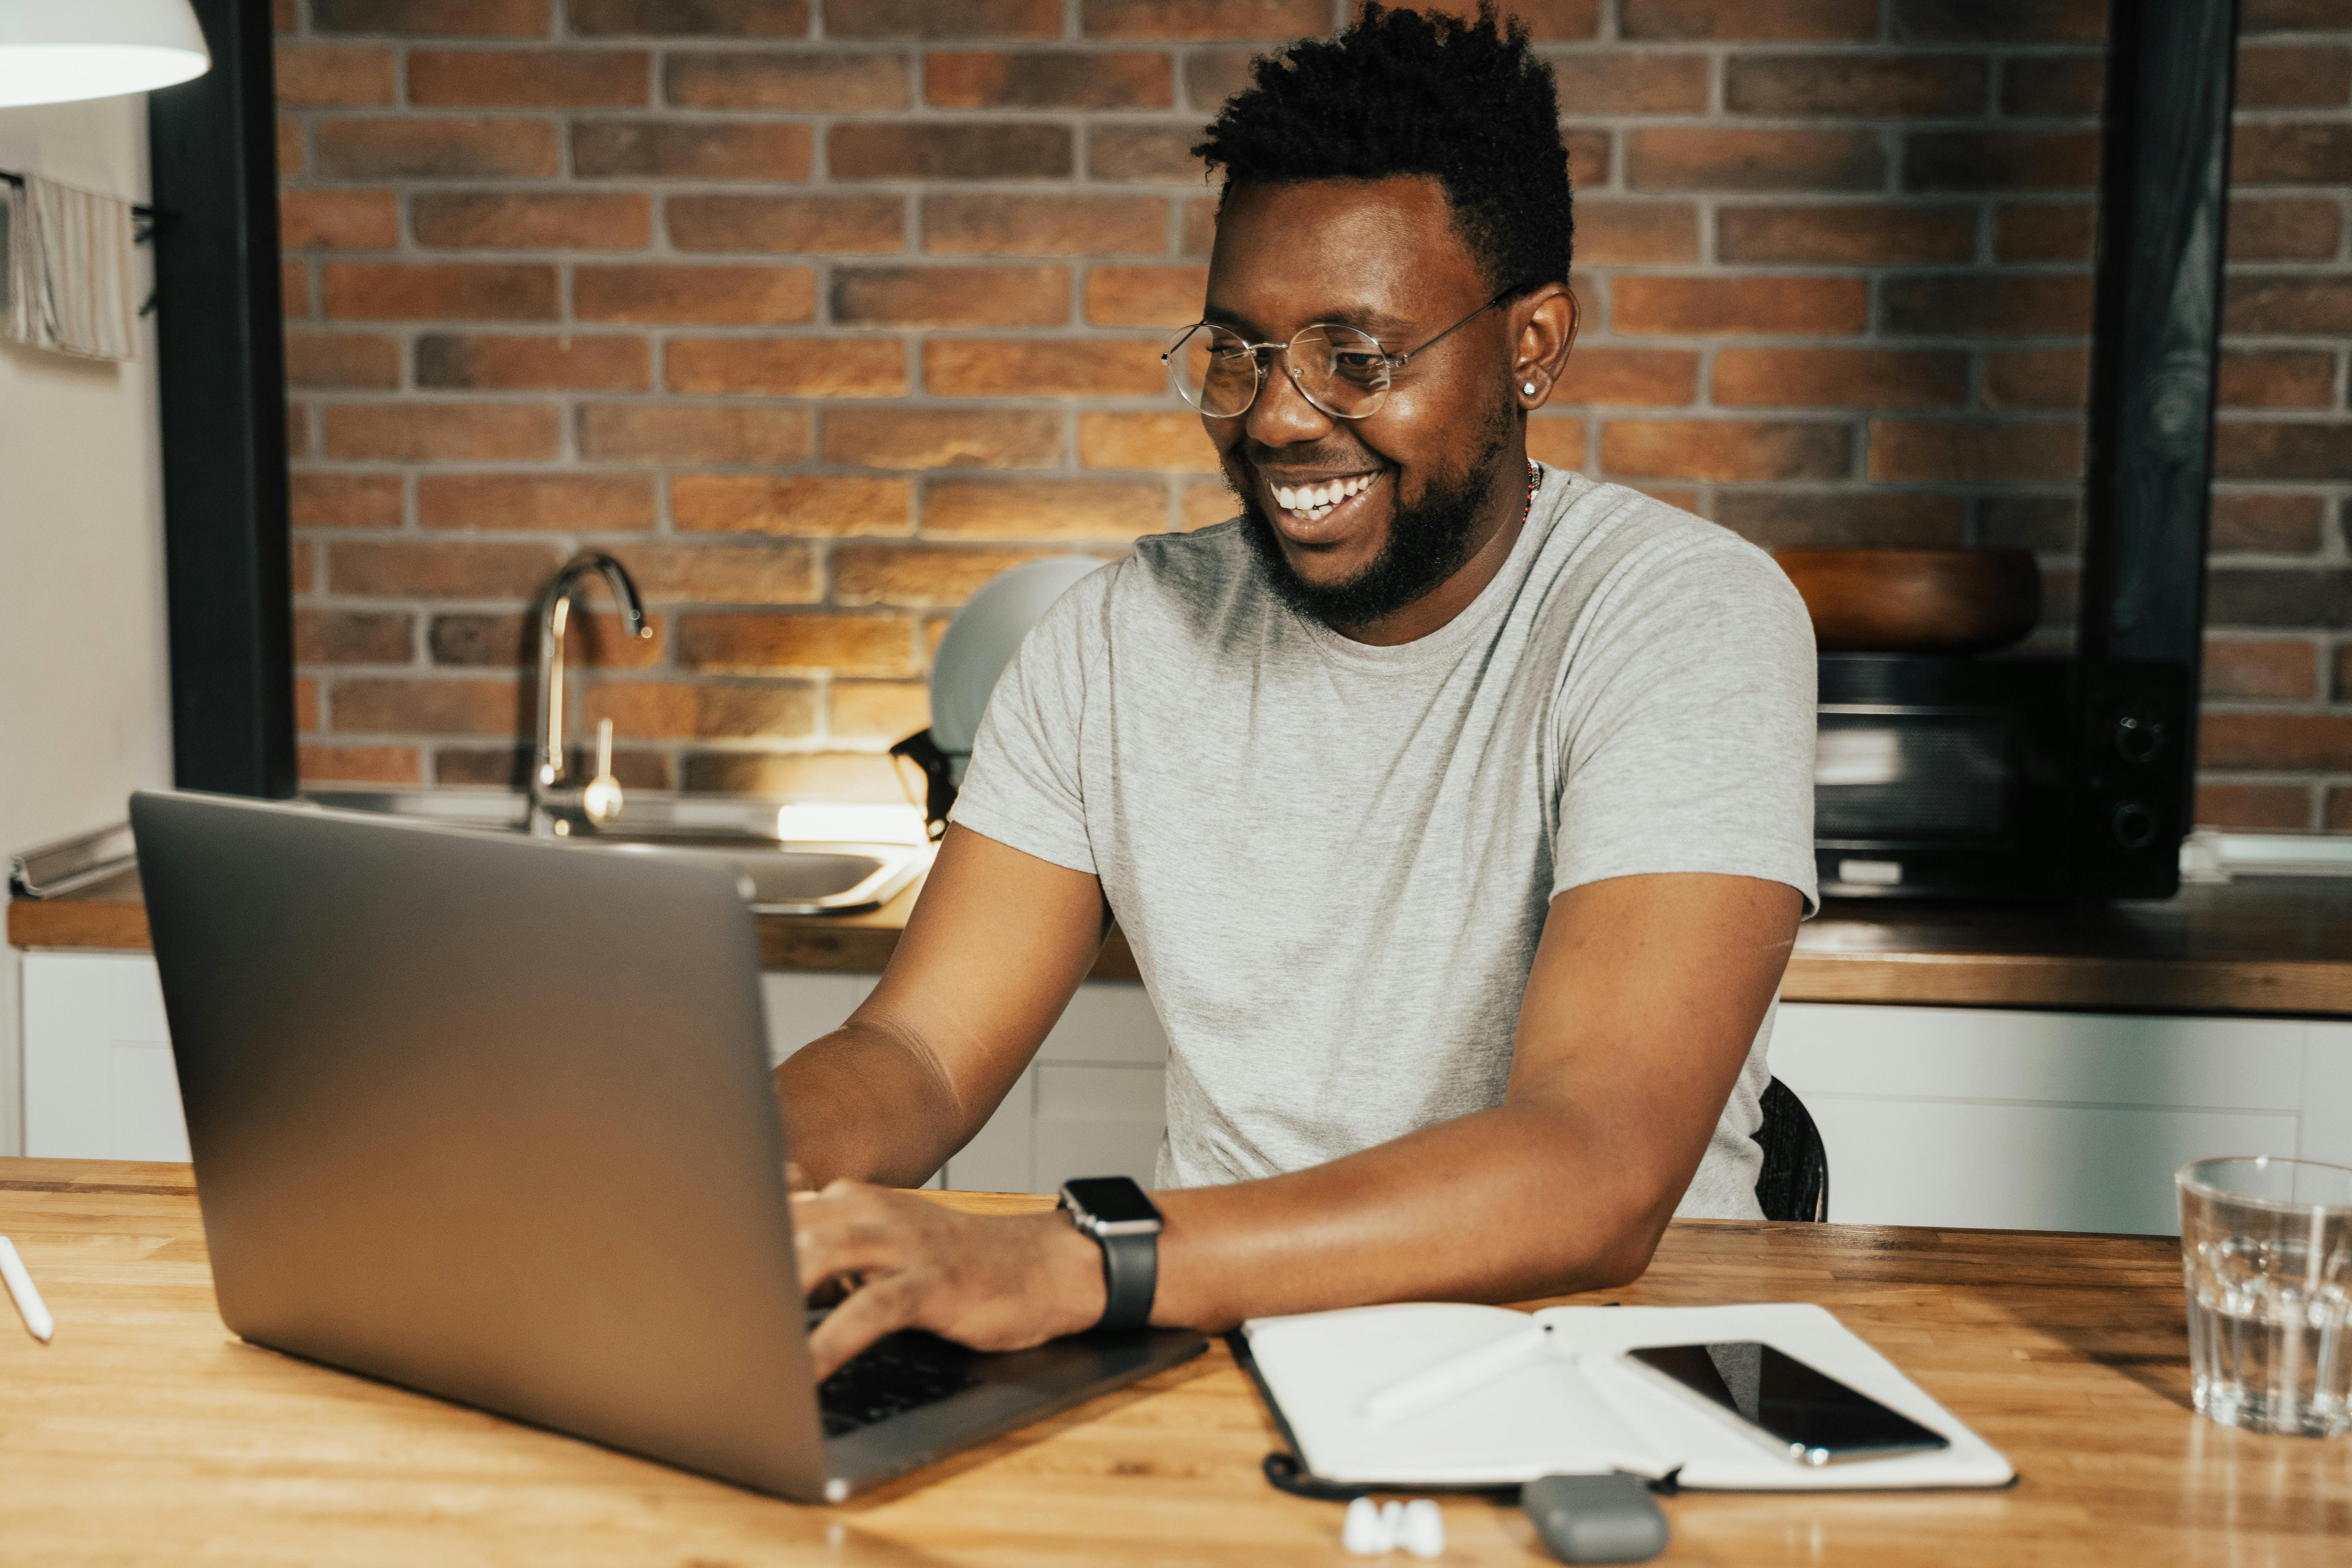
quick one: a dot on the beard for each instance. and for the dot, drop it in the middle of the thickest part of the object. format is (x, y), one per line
(1428, 541)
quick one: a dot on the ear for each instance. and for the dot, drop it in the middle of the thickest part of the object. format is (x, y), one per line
(1543, 328)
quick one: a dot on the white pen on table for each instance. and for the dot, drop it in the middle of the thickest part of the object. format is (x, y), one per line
(28, 1299)
(1454, 1375)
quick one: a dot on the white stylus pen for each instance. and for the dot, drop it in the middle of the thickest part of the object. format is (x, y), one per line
(1454, 1375)
(28, 1299)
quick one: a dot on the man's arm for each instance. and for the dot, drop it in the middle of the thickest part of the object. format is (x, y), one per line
(1644, 997)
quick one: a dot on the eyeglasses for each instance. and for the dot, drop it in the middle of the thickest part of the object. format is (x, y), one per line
(1341, 371)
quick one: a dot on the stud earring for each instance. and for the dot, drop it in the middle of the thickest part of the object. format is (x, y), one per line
(1529, 387)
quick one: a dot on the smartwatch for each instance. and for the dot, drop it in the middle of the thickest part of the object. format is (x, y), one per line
(1126, 1224)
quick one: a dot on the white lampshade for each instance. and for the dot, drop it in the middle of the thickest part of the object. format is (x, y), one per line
(55, 50)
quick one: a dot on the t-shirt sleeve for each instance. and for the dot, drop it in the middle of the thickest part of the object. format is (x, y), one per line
(1023, 786)
(1688, 712)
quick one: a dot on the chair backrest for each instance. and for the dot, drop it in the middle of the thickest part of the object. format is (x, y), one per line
(1795, 1182)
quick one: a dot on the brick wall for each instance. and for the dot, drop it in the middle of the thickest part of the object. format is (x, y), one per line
(821, 313)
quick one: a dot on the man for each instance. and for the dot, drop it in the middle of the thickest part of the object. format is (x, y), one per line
(1458, 812)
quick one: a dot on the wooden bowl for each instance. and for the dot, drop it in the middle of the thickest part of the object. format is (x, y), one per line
(1917, 601)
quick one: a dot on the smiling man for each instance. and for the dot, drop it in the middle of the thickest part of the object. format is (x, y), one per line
(1458, 810)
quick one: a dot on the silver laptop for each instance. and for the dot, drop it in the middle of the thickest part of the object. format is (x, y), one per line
(491, 1119)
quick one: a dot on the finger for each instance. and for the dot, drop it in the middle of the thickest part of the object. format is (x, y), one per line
(828, 1248)
(882, 1308)
(795, 1179)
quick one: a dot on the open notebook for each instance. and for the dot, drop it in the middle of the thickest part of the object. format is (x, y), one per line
(1570, 1404)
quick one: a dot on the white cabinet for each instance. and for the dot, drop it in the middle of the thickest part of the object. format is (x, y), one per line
(99, 1083)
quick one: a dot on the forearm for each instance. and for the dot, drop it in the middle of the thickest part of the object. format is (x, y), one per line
(868, 1103)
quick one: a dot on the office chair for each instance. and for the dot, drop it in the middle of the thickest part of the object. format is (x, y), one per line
(1795, 1182)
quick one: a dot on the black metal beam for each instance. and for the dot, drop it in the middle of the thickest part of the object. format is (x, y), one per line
(221, 375)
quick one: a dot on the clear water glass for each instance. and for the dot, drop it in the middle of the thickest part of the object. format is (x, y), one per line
(2266, 1251)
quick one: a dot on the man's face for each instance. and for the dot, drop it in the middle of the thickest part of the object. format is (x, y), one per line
(1382, 256)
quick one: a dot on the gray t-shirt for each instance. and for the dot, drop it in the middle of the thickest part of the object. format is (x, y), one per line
(1333, 861)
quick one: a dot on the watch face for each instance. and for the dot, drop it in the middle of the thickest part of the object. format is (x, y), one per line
(1113, 1200)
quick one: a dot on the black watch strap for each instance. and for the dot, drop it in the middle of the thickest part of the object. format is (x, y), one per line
(1130, 1279)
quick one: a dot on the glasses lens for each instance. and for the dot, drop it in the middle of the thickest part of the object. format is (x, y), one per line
(1341, 369)
(1215, 371)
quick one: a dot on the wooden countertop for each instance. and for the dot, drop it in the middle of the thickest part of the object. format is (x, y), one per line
(2278, 945)
(146, 1434)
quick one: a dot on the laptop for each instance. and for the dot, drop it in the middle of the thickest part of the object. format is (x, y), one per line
(490, 1118)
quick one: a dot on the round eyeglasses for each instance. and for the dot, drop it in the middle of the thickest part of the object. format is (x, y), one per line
(1340, 370)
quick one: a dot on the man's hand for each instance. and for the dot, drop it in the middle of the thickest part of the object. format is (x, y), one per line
(995, 1282)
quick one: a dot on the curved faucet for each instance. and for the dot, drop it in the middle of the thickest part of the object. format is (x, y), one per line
(548, 766)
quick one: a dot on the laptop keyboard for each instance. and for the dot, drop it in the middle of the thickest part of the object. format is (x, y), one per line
(900, 1373)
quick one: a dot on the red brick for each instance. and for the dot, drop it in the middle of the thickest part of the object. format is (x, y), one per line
(570, 362)
(803, 504)
(1546, 19)
(2339, 811)
(437, 706)
(1695, 158)
(2053, 86)
(341, 361)
(449, 291)
(942, 439)
(1208, 502)
(359, 764)
(764, 572)
(1172, 442)
(2284, 228)
(2301, 742)
(2038, 378)
(345, 501)
(1781, 21)
(1859, 232)
(659, 149)
(1043, 78)
(916, 574)
(2272, 449)
(306, 705)
(437, 147)
(1839, 378)
(338, 220)
(501, 220)
(878, 709)
(433, 18)
(2000, 160)
(443, 432)
(529, 78)
(2292, 16)
(787, 367)
(440, 569)
(2277, 378)
(741, 296)
(510, 639)
(968, 150)
(283, 16)
(2052, 524)
(2296, 597)
(2000, 21)
(565, 503)
(289, 147)
(1970, 451)
(1044, 509)
(1629, 377)
(294, 288)
(1726, 449)
(951, 296)
(1969, 304)
(2294, 76)
(839, 225)
(791, 81)
(674, 710)
(752, 644)
(694, 18)
(2295, 153)
(1588, 157)
(1833, 520)
(302, 561)
(2045, 231)
(1558, 439)
(1283, 19)
(2266, 671)
(2288, 304)
(2254, 807)
(1711, 305)
(929, 19)
(1627, 234)
(675, 433)
(1145, 296)
(1032, 367)
(1865, 86)
(326, 76)
(1143, 153)
(1005, 225)
(2278, 524)
(1596, 82)
(353, 636)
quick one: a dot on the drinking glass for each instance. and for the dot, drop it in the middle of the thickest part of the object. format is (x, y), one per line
(2266, 1251)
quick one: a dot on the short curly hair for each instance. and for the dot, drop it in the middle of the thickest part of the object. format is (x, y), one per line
(1404, 93)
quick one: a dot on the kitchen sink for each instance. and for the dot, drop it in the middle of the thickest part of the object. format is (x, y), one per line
(788, 858)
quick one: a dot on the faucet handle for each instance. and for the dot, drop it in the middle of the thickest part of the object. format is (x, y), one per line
(601, 799)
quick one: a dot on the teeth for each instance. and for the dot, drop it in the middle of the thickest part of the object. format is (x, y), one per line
(1313, 502)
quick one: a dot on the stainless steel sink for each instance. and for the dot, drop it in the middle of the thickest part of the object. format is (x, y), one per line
(790, 858)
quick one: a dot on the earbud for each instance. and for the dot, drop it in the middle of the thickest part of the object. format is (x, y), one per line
(1529, 387)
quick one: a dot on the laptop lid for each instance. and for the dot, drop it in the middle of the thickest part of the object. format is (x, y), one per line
(489, 1117)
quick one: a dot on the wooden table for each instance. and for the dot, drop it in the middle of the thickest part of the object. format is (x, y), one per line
(146, 1434)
